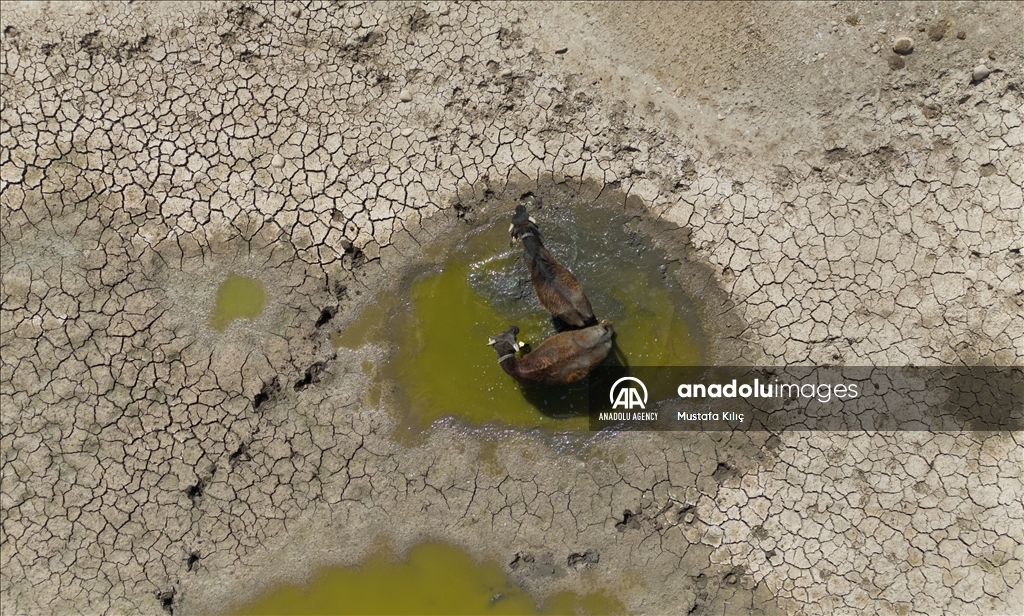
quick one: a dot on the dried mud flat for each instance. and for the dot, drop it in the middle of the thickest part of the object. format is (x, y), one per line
(855, 204)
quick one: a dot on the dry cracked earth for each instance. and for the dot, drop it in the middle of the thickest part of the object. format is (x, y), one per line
(855, 205)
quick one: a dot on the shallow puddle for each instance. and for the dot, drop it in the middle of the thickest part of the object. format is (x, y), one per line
(237, 298)
(439, 326)
(434, 579)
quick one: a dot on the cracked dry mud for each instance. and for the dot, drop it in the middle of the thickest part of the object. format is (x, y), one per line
(856, 206)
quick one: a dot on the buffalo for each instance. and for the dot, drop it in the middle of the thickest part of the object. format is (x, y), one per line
(554, 285)
(563, 358)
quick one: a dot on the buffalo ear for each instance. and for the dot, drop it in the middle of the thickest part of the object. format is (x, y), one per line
(491, 341)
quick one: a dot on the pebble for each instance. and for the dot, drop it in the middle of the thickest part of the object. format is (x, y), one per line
(961, 35)
(277, 161)
(405, 96)
(658, 89)
(506, 72)
(875, 48)
(406, 131)
(354, 22)
(980, 72)
(903, 45)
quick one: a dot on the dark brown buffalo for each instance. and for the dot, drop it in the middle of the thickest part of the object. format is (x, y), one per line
(563, 358)
(554, 285)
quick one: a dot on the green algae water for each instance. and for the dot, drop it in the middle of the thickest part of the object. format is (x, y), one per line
(434, 579)
(237, 298)
(439, 325)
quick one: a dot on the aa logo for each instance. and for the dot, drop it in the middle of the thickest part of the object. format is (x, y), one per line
(626, 396)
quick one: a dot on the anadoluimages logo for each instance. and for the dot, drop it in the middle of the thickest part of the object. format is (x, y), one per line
(627, 396)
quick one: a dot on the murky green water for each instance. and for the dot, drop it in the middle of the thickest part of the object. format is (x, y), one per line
(237, 298)
(439, 327)
(434, 579)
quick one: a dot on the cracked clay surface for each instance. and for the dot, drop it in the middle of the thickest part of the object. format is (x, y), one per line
(857, 206)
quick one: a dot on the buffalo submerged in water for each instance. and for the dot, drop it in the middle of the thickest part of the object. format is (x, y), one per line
(553, 284)
(564, 358)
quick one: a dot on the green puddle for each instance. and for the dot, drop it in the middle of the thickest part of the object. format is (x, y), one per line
(237, 298)
(434, 579)
(439, 325)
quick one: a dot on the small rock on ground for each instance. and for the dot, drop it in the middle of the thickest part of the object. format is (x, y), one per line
(980, 72)
(903, 45)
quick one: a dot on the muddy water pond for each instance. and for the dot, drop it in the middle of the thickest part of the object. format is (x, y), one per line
(237, 298)
(434, 578)
(437, 324)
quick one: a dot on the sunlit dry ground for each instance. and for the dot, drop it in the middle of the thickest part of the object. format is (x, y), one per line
(853, 206)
